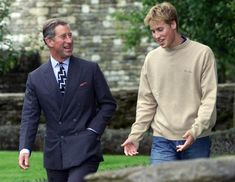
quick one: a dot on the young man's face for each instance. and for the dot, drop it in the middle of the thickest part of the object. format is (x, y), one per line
(164, 34)
(61, 46)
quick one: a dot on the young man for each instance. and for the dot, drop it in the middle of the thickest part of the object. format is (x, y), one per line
(177, 93)
(77, 104)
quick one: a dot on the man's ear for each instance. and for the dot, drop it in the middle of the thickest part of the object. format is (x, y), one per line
(49, 42)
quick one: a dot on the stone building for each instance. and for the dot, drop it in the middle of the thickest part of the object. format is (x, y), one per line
(95, 32)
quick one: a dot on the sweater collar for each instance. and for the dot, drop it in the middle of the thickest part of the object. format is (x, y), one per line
(180, 46)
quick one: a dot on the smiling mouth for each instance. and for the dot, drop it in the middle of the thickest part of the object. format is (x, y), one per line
(160, 42)
(68, 48)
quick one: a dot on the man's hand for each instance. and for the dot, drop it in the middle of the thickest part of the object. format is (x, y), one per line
(130, 147)
(189, 141)
(24, 160)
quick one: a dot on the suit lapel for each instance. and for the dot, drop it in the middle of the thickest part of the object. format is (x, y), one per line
(51, 84)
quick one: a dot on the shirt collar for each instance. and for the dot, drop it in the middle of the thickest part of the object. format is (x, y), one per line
(56, 63)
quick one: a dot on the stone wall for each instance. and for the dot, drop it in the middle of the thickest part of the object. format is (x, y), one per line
(94, 29)
(226, 106)
(220, 169)
(10, 115)
(11, 105)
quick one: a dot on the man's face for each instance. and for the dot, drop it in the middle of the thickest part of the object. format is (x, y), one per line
(61, 46)
(164, 34)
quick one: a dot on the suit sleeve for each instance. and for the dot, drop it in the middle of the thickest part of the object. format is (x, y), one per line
(106, 104)
(30, 117)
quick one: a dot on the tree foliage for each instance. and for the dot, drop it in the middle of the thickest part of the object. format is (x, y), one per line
(9, 55)
(210, 22)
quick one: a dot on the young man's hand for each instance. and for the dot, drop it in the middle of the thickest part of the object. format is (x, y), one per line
(130, 147)
(189, 140)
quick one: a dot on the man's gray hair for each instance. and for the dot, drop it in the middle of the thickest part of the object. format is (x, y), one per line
(49, 27)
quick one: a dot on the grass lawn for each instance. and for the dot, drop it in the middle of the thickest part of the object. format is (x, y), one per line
(10, 172)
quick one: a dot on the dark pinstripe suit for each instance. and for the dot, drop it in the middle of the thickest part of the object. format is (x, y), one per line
(87, 103)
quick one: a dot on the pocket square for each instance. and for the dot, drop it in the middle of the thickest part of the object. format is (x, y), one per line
(83, 84)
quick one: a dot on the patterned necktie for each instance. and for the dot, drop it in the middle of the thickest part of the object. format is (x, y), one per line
(62, 78)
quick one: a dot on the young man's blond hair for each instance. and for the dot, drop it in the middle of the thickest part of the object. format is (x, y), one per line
(162, 12)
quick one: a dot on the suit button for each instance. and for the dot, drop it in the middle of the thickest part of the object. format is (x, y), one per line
(60, 123)
(61, 137)
(74, 120)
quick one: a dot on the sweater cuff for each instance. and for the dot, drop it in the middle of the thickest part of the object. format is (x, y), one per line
(195, 131)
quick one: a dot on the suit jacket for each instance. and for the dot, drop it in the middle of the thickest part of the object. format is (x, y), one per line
(87, 103)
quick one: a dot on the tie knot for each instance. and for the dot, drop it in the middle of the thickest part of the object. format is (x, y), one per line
(61, 64)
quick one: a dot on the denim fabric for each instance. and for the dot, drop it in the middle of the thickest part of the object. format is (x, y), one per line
(164, 150)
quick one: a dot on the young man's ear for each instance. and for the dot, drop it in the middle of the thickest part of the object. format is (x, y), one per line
(173, 25)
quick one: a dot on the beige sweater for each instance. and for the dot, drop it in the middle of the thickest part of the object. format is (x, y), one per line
(177, 92)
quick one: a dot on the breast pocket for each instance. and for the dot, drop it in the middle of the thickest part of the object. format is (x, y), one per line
(85, 95)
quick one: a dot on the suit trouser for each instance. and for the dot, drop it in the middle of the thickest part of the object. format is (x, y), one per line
(74, 174)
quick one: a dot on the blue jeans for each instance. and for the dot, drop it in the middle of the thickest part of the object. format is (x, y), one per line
(164, 150)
